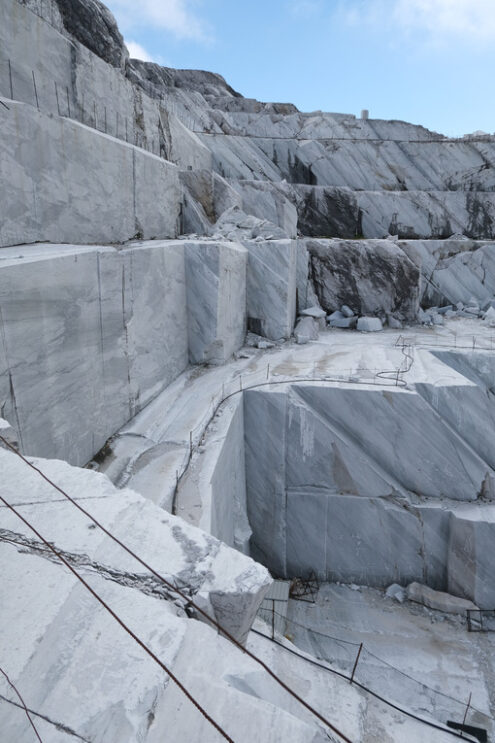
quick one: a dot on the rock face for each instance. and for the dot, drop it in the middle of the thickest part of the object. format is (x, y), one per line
(216, 300)
(387, 480)
(271, 287)
(371, 277)
(61, 181)
(91, 23)
(96, 334)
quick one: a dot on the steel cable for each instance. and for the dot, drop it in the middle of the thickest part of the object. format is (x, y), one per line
(23, 703)
(173, 587)
(120, 621)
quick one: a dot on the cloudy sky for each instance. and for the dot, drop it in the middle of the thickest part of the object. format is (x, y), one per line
(426, 61)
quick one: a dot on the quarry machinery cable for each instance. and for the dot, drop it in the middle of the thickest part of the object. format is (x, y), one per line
(174, 588)
(24, 707)
(364, 688)
(120, 621)
(340, 641)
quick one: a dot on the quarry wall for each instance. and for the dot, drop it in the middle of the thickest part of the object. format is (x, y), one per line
(63, 182)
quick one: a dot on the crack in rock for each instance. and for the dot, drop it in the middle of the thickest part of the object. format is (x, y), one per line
(146, 583)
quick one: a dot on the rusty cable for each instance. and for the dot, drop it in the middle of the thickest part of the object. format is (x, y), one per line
(120, 621)
(23, 704)
(179, 592)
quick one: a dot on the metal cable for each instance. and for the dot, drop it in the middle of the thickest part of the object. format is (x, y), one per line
(176, 590)
(363, 688)
(381, 660)
(23, 704)
(120, 622)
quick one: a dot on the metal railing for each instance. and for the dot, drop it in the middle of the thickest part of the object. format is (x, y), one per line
(360, 664)
(290, 372)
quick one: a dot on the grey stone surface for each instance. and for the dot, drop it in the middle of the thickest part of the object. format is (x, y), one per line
(61, 181)
(265, 437)
(89, 336)
(271, 287)
(91, 23)
(370, 277)
(438, 600)
(306, 330)
(8, 434)
(384, 503)
(216, 300)
(369, 324)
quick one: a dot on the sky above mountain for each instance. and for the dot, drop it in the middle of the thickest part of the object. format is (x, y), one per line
(426, 61)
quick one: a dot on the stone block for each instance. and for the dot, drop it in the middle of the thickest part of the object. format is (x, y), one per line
(271, 287)
(216, 299)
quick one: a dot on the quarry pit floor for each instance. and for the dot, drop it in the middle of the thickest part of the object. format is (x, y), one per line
(153, 450)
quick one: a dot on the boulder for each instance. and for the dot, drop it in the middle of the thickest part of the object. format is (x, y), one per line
(489, 317)
(306, 330)
(438, 600)
(346, 311)
(369, 324)
(8, 435)
(318, 314)
(396, 592)
(374, 277)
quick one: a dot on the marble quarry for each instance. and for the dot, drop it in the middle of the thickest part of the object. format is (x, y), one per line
(254, 344)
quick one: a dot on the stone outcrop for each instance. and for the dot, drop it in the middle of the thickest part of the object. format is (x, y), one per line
(371, 277)
(91, 23)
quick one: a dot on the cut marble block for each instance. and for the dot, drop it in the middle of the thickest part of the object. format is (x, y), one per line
(271, 287)
(265, 442)
(63, 182)
(90, 335)
(365, 485)
(470, 573)
(216, 299)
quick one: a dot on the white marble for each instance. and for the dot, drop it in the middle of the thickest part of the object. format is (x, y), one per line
(216, 275)
(89, 336)
(64, 182)
(271, 287)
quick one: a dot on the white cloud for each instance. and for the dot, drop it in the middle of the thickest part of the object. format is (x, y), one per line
(176, 16)
(440, 20)
(305, 8)
(138, 52)
(472, 19)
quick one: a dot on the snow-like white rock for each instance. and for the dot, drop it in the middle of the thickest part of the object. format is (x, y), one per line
(271, 287)
(90, 335)
(216, 300)
(369, 324)
(438, 600)
(306, 330)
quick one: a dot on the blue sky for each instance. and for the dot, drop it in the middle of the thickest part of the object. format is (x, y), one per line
(431, 62)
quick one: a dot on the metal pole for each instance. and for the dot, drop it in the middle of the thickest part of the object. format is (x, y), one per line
(35, 91)
(273, 619)
(268, 371)
(467, 709)
(240, 383)
(356, 662)
(11, 83)
(58, 102)
(190, 443)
